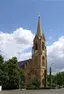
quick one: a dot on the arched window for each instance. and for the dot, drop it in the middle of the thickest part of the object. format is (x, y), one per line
(42, 45)
(36, 46)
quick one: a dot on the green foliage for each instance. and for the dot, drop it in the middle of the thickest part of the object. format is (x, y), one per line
(60, 78)
(52, 81)
(1, 59)
(57, 80)
(1, 62)
(1, 69)
(22, 82)
(35, 83)
(10, 73)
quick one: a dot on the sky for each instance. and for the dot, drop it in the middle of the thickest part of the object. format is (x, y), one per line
(18, 26)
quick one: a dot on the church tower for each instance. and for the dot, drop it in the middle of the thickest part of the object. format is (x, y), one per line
(36, 66)
(39, 58)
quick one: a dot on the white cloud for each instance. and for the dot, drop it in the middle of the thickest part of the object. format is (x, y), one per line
(62, 70)
(21, 40)
(17, 41)
(55, 53)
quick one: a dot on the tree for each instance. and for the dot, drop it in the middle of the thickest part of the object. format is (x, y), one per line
(1, 68)
(53, 81)
(22, 82)
(57, 80)
(1, 62)
(45, 79)
(11, 74)
(60, 78)
(35, 83)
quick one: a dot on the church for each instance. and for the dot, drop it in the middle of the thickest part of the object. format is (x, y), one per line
(36, 66)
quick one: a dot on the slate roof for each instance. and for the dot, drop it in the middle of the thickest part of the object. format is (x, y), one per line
(22, 63)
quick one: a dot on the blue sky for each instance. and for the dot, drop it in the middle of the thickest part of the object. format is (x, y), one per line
(24, 13)
(18, 24)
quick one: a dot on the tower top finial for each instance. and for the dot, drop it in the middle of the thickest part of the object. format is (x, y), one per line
(39, 31)
(38, 16)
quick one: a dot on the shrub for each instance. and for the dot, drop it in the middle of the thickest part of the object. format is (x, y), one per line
(35, 83)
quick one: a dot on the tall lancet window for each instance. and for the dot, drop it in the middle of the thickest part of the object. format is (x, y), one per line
(36, 46)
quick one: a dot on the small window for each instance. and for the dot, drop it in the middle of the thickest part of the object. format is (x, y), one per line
(43, 57)
(42, 45)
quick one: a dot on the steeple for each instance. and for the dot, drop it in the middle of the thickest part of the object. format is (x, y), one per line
(39, 31)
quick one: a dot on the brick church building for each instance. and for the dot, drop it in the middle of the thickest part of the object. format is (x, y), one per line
(36, 66)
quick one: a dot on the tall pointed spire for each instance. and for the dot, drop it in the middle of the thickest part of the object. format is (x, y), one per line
(39, 31)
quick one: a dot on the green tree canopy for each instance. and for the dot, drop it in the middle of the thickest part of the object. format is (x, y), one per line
(1, 62)
(10, 73)
(35, 83)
